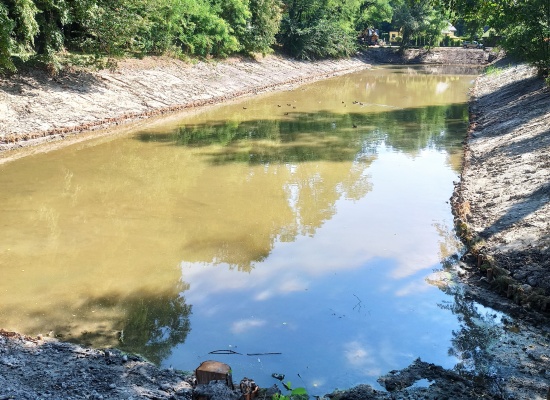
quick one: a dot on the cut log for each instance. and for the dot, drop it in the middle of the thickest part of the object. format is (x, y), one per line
(214, 371)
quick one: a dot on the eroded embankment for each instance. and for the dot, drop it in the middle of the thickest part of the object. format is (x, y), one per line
(502, 203)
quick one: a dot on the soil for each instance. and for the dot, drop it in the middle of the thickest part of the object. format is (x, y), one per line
(501, 207)
(502, 202)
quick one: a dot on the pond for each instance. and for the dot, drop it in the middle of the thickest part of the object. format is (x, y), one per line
(306, 233)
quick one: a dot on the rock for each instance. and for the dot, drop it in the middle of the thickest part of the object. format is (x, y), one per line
(216, 390)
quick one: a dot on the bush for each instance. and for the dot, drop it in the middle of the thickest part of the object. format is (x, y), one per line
(6, 44)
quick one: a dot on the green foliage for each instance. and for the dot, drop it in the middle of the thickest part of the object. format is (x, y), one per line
(526, 31)
(306, 29)
(418, 19)
(298, 393)
(18, 29)
(114, 27)
(372, 13)
(265, 18)
(235, 13)
(26, 28)
(493, 70)
(204, 33)
(319, 28)
(6, 41)
(523, 24)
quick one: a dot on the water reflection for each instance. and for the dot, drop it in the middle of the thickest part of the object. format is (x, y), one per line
(155, 324)
(308, 137)
(479, 332)
(301, 222)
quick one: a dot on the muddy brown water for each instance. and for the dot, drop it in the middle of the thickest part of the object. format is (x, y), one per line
(303, 233)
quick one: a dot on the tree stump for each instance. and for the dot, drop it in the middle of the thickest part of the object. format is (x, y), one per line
(214, 371)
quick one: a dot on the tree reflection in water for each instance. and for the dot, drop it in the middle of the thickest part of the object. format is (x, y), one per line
(478, 335)
(155, 325)
(322, 135)
(149, 324)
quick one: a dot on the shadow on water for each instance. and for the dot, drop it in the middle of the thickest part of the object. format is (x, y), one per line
(303, 137)
(150, 324)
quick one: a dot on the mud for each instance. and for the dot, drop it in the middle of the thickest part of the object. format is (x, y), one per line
(44, 368)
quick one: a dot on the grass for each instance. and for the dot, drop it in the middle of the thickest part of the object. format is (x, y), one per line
(493, 70)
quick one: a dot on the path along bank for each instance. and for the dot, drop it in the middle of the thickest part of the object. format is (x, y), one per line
(501, 205)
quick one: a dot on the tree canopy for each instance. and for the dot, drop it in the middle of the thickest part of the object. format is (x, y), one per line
(522, 25)
(308, 29)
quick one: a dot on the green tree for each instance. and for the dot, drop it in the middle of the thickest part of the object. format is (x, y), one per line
(6, 42)
(319, 28)
(18, 29)
(526, 29)
(204, 33)
(417, 18)
(373, 13)
(524, 25)
(263, 25)
(113, 27)
(236, 14)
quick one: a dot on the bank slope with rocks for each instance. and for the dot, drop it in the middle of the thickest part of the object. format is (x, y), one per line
(502, 202)
(44, 368)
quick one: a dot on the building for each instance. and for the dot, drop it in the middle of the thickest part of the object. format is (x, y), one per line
(449, 30)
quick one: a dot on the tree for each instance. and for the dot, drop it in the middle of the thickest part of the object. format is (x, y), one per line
(18, 28)
(319, 28)
(6, 42)
(373, 13)
(524, 25)
(526, 29)
(416, 18)
(263, 25)
(236, 14)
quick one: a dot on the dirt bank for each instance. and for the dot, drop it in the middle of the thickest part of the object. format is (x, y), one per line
(502, 202)
(37, 108)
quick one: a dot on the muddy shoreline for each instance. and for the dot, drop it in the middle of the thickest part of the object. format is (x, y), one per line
(501, 207)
